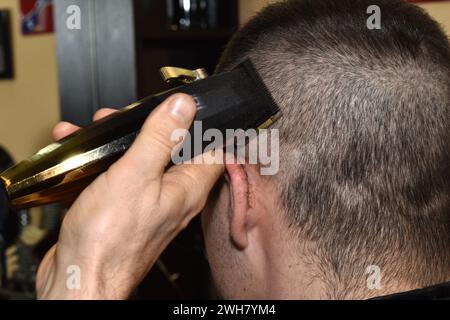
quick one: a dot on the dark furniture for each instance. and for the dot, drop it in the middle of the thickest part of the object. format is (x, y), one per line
(6, 60)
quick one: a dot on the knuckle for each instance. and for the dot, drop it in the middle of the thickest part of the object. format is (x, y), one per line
(161, 141)
(160, 134)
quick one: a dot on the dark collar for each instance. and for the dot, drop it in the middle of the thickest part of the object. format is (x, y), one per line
(437, 292)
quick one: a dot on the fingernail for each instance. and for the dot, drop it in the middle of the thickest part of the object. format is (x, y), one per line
(181, 108)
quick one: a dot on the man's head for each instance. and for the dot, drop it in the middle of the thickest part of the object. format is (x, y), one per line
(364, 156)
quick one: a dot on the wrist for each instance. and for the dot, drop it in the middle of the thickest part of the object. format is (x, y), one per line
(59, 279)
(63, 287)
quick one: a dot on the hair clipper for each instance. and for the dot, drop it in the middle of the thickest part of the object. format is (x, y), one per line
(237, 99)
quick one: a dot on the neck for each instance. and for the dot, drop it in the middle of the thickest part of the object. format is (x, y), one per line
(304, 275)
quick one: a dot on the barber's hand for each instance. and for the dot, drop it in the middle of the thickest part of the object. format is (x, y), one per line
(120, 224)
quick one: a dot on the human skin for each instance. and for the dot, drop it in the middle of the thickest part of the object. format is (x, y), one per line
(117, 228)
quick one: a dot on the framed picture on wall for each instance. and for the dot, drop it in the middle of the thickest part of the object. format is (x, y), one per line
(6, 64)
(36, 16)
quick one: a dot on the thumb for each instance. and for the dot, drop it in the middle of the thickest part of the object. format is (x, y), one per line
(151, 152)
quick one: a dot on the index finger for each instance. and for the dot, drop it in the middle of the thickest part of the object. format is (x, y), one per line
(192, 184)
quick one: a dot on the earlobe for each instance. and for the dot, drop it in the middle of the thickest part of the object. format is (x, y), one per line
(239, 186)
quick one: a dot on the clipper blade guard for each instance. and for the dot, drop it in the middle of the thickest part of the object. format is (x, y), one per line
(233, 100)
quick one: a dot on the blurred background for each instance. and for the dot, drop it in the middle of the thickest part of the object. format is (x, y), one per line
(62, 60)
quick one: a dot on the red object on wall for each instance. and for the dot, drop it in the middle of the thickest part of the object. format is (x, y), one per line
(36, 16)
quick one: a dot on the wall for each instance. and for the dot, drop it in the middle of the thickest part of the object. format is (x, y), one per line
(439, 10)
(29, 104)
(248, 8)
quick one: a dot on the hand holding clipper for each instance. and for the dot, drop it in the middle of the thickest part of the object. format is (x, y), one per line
(137, 197)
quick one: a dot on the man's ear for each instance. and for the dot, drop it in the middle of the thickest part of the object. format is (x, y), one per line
(243, 218)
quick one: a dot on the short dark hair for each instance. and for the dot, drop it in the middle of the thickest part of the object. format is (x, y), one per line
(365, 133)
